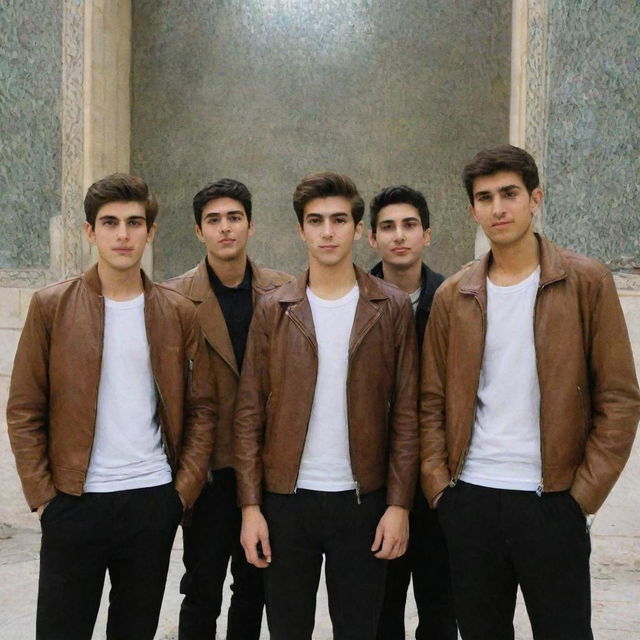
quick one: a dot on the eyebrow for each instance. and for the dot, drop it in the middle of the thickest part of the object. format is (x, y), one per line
(337, 214)
(408, 219)
(509, 187)
(219, 213)
(117, 219)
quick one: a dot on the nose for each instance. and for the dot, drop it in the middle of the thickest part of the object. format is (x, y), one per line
(225, 225)
(498, 205)
(123, 230)
(327, 229)
(398, 235)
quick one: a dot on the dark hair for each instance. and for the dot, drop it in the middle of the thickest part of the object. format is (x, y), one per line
(398, 194)
(326, 185)
(224, 188)
(119, 187)
(504, 157)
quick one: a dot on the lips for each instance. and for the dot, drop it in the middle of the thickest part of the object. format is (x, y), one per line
(123, 250)
(226, 241)
(400, 250)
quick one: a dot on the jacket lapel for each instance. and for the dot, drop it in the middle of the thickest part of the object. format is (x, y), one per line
(210, 316)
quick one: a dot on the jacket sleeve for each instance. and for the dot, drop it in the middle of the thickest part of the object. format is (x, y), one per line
(615, 400)
(250, 415)
(200, 414)
(434, 471)
(28, 409)
(403, 428)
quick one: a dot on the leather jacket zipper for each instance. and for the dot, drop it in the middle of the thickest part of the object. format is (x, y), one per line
(465, 452)
(306, 334)
(540, 489)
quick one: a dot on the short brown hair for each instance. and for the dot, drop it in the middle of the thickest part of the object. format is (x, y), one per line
(503, 157)
(119, 187)
(326, 185)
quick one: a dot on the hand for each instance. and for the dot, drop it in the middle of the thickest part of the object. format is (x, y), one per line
(255, 532)
(392, 534)
(41, 508)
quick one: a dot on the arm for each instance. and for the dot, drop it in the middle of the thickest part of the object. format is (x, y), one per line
(250, 415)
(200, 413)
(28, 410)
(435, 474)
(615, 400)
(392, 532)
(249, 424)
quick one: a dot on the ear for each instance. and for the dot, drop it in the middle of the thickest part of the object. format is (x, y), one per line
(89, 232)
(301, 233)
(536, 199)
(151, 233)
(251, 228)
(472, 213)
(198, 231)
(372, 239)
(358, 230)
(426, 237)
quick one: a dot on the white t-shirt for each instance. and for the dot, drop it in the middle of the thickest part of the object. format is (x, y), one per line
(127, 447)
(326, 463)
(415, 298)
(505, 446)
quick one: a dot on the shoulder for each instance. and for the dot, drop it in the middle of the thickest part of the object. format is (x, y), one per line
(583, 267)
(273, 276)
(54, 294)
(181, 283)
(171, 297)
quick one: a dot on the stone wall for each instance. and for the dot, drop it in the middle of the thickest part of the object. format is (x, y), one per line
(267, 91)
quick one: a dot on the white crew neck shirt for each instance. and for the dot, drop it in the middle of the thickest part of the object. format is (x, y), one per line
(505, 445)
(127, 446)
(326, 461)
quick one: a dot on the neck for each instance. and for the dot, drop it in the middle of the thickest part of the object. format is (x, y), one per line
(120, 285)
(230, 272)
(331, 282)
(513, 263)
(407, 279)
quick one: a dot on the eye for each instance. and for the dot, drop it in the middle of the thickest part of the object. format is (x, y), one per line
(235, 218)
(135, 223)
(212, 220)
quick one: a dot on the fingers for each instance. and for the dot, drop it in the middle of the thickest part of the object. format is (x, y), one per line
(266, 549)
(254, 538)
(377, 541)
(391, 548)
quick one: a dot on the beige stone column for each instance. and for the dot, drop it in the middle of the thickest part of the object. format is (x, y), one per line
(96, 126)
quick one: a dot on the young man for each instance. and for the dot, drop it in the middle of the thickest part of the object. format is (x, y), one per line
(399, 232)
(529, 406)
(325, 428)
(110, 418)
(224, 287)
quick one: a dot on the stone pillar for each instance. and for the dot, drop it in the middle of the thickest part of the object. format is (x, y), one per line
(94, 122)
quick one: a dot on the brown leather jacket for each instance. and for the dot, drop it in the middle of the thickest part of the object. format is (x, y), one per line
(589, 398)
(53, 398)
(277, 388)
(195, 285)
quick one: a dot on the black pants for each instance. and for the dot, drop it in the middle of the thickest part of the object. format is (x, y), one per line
(305, 526)
(128, 533)
(427, 561)
(500, 539)
(213, 537)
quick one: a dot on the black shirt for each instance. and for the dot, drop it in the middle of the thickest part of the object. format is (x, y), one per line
(237, 307)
